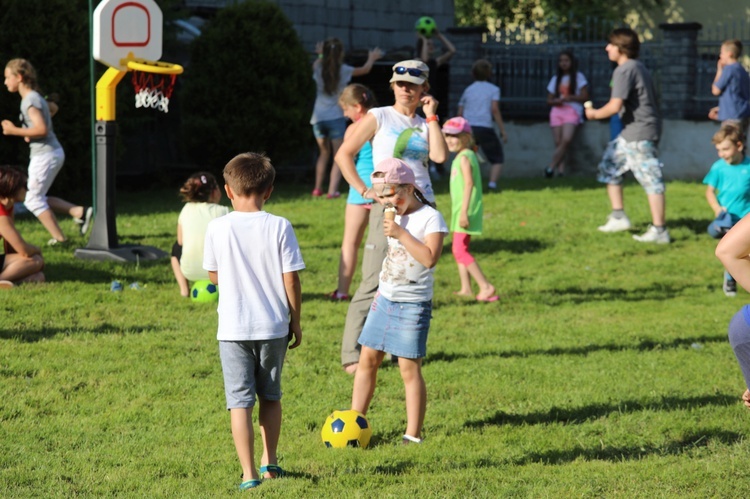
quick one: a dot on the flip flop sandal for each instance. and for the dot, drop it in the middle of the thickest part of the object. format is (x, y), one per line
(250, 484)
(272, 468)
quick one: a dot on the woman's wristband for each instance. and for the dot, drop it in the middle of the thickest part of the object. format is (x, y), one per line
(432, 118)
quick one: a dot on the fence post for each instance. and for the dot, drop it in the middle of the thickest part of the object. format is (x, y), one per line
(678, 67)
(468, 42)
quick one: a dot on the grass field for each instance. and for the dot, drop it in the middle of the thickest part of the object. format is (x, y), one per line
(603, 371)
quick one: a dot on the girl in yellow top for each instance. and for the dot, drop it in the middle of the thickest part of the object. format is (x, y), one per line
(467, 209)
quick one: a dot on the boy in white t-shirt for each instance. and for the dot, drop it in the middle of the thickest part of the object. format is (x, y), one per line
(257, 256)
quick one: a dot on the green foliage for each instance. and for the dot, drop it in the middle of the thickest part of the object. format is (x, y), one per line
(249, 88)
(603, 371)
(552, 12)
(54, 36)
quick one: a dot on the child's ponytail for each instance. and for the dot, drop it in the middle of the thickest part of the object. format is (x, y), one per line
(198, 188)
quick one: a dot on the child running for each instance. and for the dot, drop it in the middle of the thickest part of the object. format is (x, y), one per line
(399, 317)
(355, 100)
(20, 261)
(254, 256)
(47, 155)
(201, 193)
(728, 189)
(467, 209)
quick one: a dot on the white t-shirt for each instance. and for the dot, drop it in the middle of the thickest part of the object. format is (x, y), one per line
(565, 89)
(402, 277)
(193, 221)
(405, 138)
(251, 252)
(477, 103)
(326, 105)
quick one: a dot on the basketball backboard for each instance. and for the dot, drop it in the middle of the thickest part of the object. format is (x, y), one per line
(127, 28)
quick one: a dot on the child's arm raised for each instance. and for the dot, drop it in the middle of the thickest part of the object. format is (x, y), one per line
(463, 220)
(38, 127)
(372, 56)
(294, 297)
(13, 239)
(427, 253)
(733, 251)
(713, 202)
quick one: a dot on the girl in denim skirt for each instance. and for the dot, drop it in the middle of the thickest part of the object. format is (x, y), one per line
(399, 318)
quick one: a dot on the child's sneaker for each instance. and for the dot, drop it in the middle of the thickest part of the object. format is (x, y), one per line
(549, 172)
(615, 224)
(729, 287)
(85, 222)
(652, 235)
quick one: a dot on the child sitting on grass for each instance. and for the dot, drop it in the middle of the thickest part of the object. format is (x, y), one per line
(399, 317)
(467, 209)
(728, 191)
(255, 257)
(21, 261)
(201, 193)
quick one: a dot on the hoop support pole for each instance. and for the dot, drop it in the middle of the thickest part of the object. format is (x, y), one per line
(105, 94)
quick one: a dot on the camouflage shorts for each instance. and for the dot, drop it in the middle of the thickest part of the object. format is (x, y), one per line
(638, 157)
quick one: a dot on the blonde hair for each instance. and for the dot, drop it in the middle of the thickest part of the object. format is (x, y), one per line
(728, 132)
(734, 46)
(25, 70)
(357, 93)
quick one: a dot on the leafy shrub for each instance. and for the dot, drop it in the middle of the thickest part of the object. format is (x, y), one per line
(248, 88)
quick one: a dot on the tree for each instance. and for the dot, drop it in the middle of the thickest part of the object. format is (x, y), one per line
(250, 87)
(553, 13)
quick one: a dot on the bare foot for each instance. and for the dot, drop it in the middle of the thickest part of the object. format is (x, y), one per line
(487, 293)
(350, 368)
(746, 398)
(463, 293)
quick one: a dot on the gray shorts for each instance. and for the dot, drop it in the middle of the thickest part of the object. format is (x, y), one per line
(639, 157)
(250, 368)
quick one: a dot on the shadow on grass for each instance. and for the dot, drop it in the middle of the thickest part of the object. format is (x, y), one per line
(492, 246)
(698, 226)
(576, 294)
(76, 272)
(578, 415)
(34, 335)
(642, 346)
(674, 447)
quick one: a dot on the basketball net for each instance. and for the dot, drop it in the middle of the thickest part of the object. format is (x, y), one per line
(153, 90)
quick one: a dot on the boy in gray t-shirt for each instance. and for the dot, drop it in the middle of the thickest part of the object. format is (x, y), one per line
(633, 98)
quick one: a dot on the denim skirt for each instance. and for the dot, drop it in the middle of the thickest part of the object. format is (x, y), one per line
(397, 328)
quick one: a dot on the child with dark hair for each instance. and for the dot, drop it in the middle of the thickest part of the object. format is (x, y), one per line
(635, 149)
(201, 193)
(20, 261)
(480, 105)
(566, 93)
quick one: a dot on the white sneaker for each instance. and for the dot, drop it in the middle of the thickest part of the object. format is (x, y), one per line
(615, 224)
(653, 236)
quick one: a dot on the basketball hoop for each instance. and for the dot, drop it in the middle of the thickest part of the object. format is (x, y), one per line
(153, 82)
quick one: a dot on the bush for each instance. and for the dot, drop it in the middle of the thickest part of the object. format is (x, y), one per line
(53, 35)
(249, 88)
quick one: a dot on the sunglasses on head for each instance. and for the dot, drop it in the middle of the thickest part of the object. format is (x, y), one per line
(400, 70)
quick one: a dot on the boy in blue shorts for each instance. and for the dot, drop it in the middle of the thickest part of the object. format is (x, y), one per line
(728, 191)
(256, 257)
(634, 99)
(732, 85)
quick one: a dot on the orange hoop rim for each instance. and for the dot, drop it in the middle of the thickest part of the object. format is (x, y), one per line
(158, 67)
